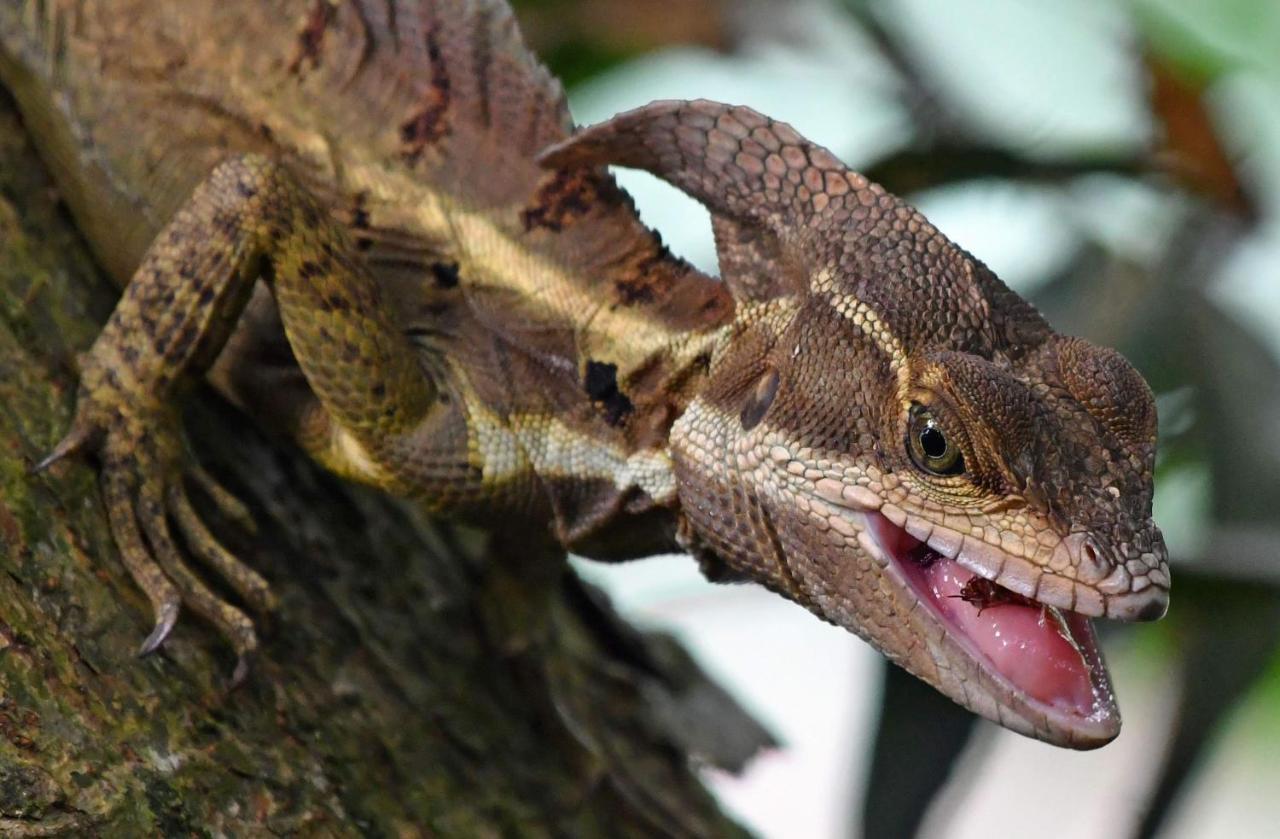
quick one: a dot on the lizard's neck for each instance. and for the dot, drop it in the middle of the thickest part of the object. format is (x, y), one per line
(656, 383)
(619, 499)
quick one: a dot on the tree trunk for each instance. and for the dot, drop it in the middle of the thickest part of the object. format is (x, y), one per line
(417, 680)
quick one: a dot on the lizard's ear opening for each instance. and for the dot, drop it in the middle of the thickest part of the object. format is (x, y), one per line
(759, 400)
(774, 197)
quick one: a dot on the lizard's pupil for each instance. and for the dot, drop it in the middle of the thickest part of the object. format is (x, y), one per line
(933, 443)
(928, 445)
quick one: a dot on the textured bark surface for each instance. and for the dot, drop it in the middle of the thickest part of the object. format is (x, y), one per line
(417, 680)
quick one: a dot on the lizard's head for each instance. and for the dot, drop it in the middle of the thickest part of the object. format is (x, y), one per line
(894, 439)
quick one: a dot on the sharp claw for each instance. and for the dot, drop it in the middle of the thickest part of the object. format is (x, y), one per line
(68, 445)
(165, 620)
(241, 672)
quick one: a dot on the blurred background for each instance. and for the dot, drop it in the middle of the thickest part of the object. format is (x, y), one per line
(1119, 163)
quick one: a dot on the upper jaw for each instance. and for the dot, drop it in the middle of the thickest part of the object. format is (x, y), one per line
(988, 691)
(1136, 589)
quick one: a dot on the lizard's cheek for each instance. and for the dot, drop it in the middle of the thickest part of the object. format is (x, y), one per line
(1048, 655)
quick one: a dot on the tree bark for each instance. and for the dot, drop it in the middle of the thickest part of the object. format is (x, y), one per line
(419, 679)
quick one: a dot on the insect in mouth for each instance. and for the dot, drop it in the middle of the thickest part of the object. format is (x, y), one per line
(984, 594)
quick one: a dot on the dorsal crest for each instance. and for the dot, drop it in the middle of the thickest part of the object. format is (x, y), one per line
(790, 218)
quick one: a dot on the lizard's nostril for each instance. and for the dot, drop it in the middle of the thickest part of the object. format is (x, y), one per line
(1094, 565)
(1091, 553)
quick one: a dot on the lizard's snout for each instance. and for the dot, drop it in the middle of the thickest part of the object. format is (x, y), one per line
(1133, 578)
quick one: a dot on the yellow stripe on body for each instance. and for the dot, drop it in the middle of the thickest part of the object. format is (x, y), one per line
(546, 446)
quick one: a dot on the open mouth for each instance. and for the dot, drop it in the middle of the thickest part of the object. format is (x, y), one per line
(1048, 655)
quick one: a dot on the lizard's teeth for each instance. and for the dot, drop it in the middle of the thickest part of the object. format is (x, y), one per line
(1059, 620)
(1045, 654)
(946, 542)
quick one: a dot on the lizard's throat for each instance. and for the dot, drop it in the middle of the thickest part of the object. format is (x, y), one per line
(1048, 655)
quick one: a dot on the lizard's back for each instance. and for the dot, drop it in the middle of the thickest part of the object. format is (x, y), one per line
(418, 124)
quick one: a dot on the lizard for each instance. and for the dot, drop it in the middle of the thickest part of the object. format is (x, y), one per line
(373, 226)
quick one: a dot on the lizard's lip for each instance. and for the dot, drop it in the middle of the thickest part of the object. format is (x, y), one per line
(1045, 656)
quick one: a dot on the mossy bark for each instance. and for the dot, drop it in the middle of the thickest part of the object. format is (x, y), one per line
(418, 679)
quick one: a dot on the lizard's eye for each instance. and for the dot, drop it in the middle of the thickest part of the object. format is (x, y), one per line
(928, 444)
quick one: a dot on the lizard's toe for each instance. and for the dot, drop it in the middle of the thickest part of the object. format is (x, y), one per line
(118, 492)
(143, 467)
(153, 514)
(166, 618)
(74, 441)
(247, 583)
(243, 665)
(225, 500)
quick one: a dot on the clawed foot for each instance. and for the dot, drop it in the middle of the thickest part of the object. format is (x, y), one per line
(144, 469)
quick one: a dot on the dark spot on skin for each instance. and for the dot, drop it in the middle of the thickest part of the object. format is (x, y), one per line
(185, 339)
(641, 284)
(334, 303)
(247, 190)
(568, 195)
(630, 293)
(350, 353)
(426, 124)
(309, 270)
(310, 216)
(445, 273)
(363, 243)
(702, 361)
(206, 295)
(759, 400)
(601, 384)
(378, 391)
(226, 221)
(147, 320)
(311, 37)
(359, 214)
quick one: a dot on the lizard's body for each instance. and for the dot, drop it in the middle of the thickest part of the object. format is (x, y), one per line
(492, 336)
(154, 98)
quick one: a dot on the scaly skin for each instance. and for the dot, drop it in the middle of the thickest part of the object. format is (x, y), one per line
(453, 317)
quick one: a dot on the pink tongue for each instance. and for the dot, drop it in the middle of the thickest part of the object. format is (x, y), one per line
(1024, 643)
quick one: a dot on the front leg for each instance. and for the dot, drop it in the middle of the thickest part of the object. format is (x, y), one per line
(371, 397)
